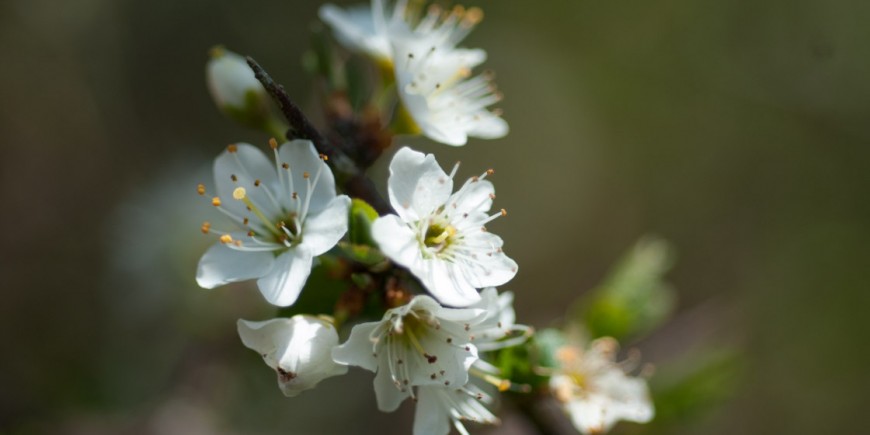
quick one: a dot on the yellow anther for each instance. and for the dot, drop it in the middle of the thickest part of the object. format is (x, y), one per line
(306, 175)
(273, 143)
(324, 157)
(226, 238)
(232, 148)
(490, 171)
(503, 212)
(473, 16)
(206, 226)
(216, 201)
(240, 193)
(200, 189)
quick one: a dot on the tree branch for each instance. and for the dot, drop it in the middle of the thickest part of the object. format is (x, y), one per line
(351, 177)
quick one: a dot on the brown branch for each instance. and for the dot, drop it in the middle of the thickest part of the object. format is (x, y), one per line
(350, 176)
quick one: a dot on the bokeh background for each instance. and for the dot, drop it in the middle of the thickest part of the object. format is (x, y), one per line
(738, 130)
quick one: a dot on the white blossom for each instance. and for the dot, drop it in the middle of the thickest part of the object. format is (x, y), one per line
(441, 236)
(433, 75)
(289, 214)
(416, 345)
(434, 78)
(299, 349)
(595, 390)
(439, 406)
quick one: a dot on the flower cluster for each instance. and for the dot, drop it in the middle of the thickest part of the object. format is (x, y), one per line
(427, 260)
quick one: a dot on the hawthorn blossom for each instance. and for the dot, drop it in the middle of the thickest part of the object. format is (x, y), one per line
(596, 392)
(433, 75)
(299, 349)
(435, 82)
(416, 345)
(441, 237)
(288, 211)
(439, 406)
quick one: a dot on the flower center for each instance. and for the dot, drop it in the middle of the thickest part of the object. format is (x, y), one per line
(439, 236)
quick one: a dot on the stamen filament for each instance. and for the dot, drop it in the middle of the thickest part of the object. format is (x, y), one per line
(242, 195)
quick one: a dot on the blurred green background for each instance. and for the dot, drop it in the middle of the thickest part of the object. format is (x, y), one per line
(738, 130)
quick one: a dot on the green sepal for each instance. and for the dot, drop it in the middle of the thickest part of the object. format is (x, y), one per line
(255, 113)
(362, 215)
(363, 254)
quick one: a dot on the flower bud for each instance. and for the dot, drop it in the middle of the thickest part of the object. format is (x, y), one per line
(235, 89)
(299, 349)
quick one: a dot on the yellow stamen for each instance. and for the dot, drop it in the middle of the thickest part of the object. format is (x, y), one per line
(216, 202)
(206, 226)
(200, 189)
(273, 143)
(226, 238)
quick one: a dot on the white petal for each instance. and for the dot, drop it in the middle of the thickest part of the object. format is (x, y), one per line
(448, 282)
(629, 396)
(284, 282)
(222, 265)
(247, 164)
(358, 350)
(431, 417)
(322, 231)
(473, 197)
(589, 416)
(396, 240)
(388, 396)
(301, 156)
(355, 29)
(488, 126)
(417, 185)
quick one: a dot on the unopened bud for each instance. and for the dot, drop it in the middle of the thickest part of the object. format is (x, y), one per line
(235, 89)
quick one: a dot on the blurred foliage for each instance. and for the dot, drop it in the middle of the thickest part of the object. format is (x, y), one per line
(737, 130)
(633, 299)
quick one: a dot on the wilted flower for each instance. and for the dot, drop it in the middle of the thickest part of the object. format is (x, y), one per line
(290, 214)
(440, 237)
(299, 349)
(418, 344)
(235, 89)
(596, 391)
